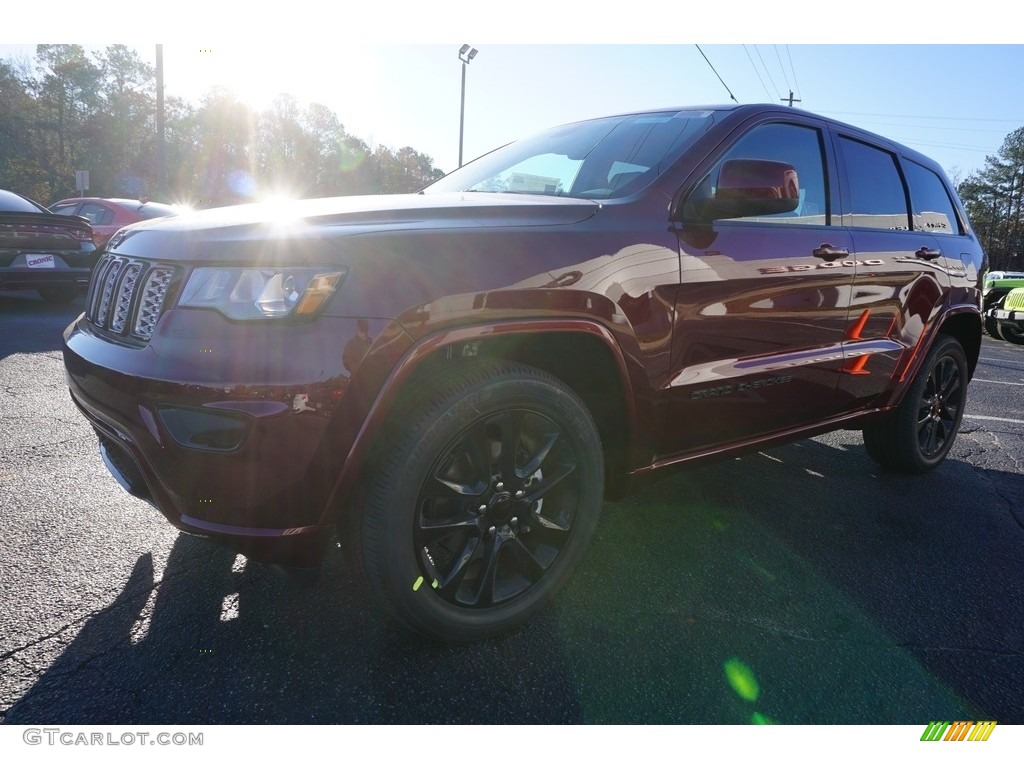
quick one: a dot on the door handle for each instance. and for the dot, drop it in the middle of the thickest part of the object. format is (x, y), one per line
(924, 252)
(826, 251)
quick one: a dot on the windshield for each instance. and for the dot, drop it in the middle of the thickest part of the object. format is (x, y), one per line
(597, 159)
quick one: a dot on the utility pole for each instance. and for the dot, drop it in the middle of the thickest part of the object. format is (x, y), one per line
(790, 99)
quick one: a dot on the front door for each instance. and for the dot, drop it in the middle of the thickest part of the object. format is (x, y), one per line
(762, 306)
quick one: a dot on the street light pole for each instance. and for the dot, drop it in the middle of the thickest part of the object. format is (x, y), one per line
(466, 55)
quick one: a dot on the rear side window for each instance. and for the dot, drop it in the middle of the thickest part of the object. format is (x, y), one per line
(933, 210)
(877, 197)
(96, 214)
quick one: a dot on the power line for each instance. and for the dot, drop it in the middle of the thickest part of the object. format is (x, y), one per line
(756, 72)
(775, 87)
(1001, 131)
(934, 117)
(718, 76)
(924, 142)
(779, 57)
(792, 69)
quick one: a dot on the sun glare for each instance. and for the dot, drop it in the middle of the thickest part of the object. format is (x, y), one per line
(257, 76)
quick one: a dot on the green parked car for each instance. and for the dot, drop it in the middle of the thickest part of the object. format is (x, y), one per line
(1005, 320)
(997, 285)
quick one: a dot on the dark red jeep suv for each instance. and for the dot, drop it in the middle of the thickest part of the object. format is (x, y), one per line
(451, 381)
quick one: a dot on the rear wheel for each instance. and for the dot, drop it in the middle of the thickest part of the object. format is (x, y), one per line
(917, 436)
(482, 502)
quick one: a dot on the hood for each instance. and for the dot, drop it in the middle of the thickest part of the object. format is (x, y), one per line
(231, 233)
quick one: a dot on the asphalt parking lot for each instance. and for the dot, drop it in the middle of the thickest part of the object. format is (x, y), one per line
(797, 585)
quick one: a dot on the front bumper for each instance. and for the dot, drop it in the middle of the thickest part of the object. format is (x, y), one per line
(1012, 317)
(262, 490)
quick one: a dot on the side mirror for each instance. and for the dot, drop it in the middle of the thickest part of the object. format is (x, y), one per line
(749, 188)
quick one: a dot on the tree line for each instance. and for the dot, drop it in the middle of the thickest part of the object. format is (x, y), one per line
(68, 109)
(993, 197)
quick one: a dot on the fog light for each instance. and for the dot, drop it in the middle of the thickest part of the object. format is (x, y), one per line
(204, 428)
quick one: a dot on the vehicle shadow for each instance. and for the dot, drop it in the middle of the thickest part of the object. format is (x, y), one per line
(230, 644)
(792, 586)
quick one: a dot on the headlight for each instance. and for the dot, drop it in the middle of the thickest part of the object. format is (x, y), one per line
(247, 293)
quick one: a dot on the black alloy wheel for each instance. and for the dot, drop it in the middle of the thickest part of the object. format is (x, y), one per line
(940, 407)
(497, 508)
(483, 498)
(917, 436)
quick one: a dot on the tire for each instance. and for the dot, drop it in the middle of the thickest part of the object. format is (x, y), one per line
(58, 294)
(1011, 333)
(992, 328)
(917, 436)
(481, 502)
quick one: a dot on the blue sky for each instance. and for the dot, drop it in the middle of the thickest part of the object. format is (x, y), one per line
(955, 103)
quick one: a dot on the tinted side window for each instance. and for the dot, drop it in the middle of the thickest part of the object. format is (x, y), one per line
(877, 197)
(96, 214)
(933, 210)
(801, 147)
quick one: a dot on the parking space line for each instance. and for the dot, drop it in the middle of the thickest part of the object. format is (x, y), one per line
(1007, 383)
(993, 418)
(997, 360)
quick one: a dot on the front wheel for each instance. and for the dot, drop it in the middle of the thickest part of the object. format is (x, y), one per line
(1011, 333)
(992, 328)
(482, 502)
(917, 436)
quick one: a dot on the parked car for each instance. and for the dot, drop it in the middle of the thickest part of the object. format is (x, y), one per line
(107, 215)
(1005, 320)
(997, 284)
(453, 380)
(39, 250)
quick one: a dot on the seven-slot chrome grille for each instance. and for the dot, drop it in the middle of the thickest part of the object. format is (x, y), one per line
(127, 295)
(1014, 300)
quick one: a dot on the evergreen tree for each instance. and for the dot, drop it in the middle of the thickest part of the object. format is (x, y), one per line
(993, 198)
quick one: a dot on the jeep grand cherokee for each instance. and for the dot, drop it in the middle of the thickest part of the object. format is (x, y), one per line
(451, 381)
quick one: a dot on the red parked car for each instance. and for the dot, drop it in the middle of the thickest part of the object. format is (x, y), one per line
(107, 215)
(453, 380)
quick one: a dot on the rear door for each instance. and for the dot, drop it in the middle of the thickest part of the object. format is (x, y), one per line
(902, 268)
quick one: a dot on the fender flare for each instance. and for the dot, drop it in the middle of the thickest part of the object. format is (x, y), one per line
(424, 349)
